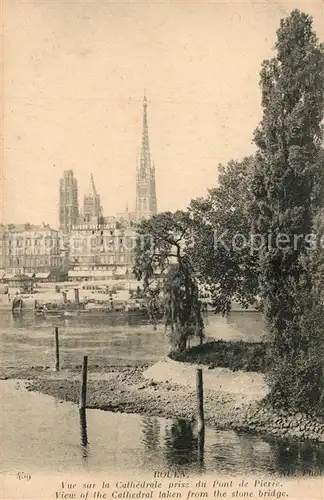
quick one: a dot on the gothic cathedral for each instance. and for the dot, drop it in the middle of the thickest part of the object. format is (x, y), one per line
(145, 176)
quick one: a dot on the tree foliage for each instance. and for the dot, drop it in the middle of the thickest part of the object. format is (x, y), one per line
(162, 261)
(223, 252)
(287, 185)
(250, 235)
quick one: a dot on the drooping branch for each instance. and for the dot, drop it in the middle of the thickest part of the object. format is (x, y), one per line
(165, 249)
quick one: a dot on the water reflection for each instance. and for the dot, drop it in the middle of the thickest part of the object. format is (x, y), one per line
(228, 451)
(201, 449)
(84, 434)
(151, 433)
(181, 443)
(297, 458)
(43, 435)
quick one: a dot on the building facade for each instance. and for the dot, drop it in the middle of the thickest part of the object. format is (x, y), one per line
(69, 205)
(126, 217)
(101, 250)
(3, 248)
(27, 249)
(146, 204)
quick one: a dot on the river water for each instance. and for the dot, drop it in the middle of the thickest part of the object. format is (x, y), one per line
(42, 434)
(28, 341)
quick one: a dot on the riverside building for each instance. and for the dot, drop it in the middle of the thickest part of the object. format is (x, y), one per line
(30, 250)
(101, 249)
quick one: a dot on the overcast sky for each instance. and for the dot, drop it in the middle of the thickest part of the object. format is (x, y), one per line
(74, 79)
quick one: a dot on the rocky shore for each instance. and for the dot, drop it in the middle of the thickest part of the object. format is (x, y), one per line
(263, 419)
(232, 400)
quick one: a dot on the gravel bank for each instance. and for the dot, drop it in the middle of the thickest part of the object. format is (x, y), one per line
(132, 390)
(244, 387)
(167, 389)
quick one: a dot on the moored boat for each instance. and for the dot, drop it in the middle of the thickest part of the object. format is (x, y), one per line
(91, 310)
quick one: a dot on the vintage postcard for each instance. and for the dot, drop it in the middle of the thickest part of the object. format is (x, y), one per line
(162, 249)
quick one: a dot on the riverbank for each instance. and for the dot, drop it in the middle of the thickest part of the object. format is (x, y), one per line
(164, 389)
(232, 400)
(129, 390)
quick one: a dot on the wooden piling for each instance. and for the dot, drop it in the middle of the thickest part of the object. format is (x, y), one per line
(77, 296)
(83, 427)
(57, 350)
(201, 418)
(201, 447)
(200, 400)
(83, 392)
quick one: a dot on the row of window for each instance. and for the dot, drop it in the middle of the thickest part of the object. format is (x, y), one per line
(40, 241)
(33, 251)
(96, 241)
(31, 263)
(37, 242)
(103, 259)
(95, 250)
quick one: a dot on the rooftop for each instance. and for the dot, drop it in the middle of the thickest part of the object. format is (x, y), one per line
(20, 228)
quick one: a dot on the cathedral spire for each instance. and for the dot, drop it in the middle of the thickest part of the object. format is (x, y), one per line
(145, 185)
(145, 161)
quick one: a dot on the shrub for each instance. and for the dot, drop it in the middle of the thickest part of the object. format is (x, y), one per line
(247, 356)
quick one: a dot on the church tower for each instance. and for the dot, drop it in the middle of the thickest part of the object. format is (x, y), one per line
(68, 204)
(145, 176)
(91, 203)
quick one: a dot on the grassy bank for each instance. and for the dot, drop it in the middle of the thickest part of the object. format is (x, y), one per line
(240, 355)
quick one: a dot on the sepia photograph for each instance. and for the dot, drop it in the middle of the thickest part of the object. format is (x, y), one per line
(162, 250)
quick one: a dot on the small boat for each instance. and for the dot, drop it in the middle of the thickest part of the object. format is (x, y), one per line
(53, 314)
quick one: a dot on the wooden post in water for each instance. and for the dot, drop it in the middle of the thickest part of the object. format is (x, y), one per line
(57, 350)
(83, 427)
(201, 418)
(200, 399)
(83, 393)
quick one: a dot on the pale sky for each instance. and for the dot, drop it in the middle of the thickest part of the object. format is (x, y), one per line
(74, 78)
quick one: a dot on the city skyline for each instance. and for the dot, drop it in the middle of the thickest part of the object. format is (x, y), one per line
(73, 213)
(75, 102)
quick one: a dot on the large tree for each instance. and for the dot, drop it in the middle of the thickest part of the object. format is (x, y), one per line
(162, 262)
(288, 189)
(224, 252)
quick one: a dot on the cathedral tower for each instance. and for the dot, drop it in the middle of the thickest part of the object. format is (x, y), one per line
(91, 203)
(68, 204)
(145, 176)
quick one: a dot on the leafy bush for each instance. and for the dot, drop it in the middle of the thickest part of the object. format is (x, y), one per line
(297, 378)
(247, 356)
